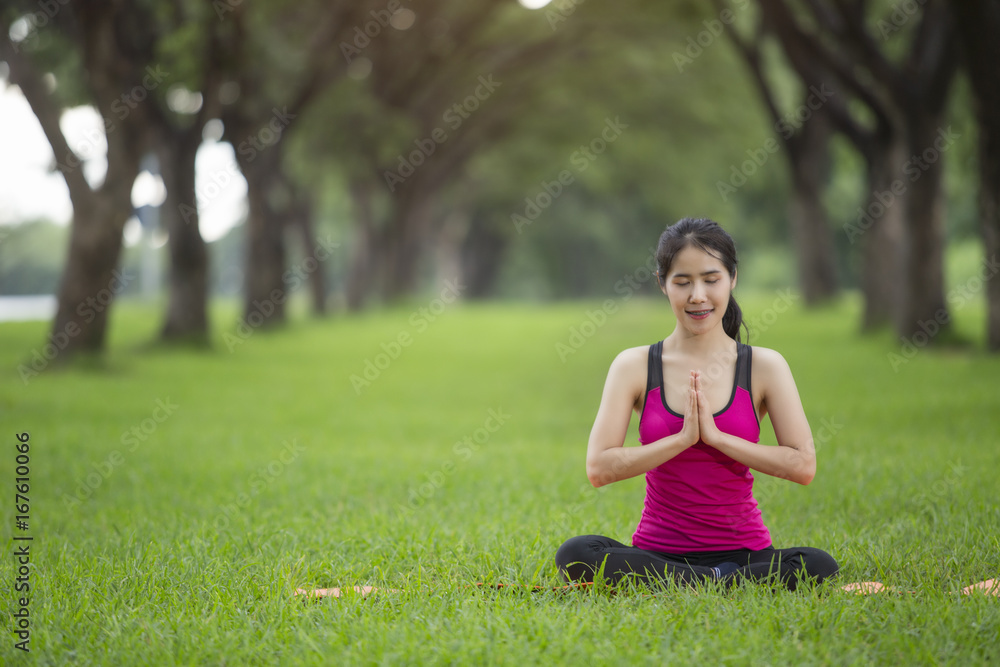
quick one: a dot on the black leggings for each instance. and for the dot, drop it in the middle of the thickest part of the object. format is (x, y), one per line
(580, 557)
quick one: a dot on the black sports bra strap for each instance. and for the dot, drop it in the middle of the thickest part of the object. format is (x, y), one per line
(654, 376)
(744, 356)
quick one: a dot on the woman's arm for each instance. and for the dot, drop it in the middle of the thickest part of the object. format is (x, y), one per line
(607, 459)
(795, 456)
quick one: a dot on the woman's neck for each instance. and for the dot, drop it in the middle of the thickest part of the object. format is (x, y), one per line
(706, 344)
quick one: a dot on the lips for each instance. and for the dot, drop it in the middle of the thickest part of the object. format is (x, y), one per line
(699, 314)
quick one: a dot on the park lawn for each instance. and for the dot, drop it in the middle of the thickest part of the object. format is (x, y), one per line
(179, 497)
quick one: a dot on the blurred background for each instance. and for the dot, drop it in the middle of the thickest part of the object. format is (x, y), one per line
(353, 155)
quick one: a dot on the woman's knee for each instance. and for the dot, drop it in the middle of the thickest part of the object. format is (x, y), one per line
(581, 549)
(819, 564)
(813, 563)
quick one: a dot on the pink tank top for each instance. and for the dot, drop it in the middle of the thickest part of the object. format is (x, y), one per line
(700, 500)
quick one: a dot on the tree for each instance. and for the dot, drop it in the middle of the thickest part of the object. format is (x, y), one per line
(441, 158)
(100, 34)
(459, 89)
(902, 224)
(190, 38)
(275, 88)
(804, 135)
(979, 25)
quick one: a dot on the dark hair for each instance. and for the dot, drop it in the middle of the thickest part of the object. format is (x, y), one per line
(706, 235)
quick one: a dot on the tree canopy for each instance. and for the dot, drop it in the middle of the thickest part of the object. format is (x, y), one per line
(521, 153)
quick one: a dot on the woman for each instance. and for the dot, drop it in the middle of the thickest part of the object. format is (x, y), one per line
(699, 394)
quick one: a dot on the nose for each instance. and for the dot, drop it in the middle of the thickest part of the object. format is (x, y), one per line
(697, 293)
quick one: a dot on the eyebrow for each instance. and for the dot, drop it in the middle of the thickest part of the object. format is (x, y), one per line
(688, 275)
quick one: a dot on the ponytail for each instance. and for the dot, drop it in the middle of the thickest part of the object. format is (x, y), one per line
(733, 320)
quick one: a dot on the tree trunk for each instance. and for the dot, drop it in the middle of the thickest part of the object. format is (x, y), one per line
(265, 239)
(402, 247)
(187, 306)
(905, 96)
(301, 215)
(91, 280)
(265, 290)
(809, 160)
(360, 276)
(923, 251)
(448, 245)
(989, 212)
(979, 25)
(880, 228)
(482, 257)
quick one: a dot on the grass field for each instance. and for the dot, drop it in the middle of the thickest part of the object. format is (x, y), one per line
(178, 497)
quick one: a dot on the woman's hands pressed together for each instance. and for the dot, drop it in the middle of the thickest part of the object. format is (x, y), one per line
(699, 424)
(691, 430)
(710, 433)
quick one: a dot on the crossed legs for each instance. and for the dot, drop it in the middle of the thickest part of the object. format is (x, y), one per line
(579, 558)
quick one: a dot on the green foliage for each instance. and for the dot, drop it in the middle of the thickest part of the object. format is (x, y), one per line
(961, 179)
(31, 256)
(181, 51)
(369, 135)
(686, 126)
(163, 561)
(691, 121)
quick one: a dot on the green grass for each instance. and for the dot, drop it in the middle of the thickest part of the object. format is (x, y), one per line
(164, 561)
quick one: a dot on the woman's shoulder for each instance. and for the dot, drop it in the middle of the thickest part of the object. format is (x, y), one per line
(768, 362)
(631, 357)
(632, 364)
(628, 372)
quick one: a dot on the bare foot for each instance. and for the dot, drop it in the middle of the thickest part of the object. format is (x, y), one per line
(988, 587)
(864, 587)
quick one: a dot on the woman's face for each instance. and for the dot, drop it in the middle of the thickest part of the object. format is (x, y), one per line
(698, 287)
